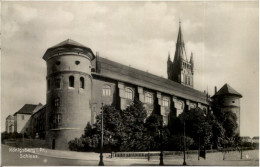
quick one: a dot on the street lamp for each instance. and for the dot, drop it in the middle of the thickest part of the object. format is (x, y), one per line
(184, 144)
(161, 153)
(101, 163)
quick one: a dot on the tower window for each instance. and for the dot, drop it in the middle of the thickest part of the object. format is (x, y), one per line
(22, 117)
(106, 91)
(57, 102)
(148, 98)
(82, 83)
(57, 83)
(77, 62)
(57, 63)
(165, 102)
(71, 81)
(129, 93)
(48, 84)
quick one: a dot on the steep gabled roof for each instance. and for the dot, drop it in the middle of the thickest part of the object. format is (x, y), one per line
(227, 90)
(119, 72)
(9, 117)
(26, 109)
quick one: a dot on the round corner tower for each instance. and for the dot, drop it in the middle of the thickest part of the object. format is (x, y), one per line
(68, 92)
(228, 99)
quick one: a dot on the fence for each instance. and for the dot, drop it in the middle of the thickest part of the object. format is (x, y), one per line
(191, 155)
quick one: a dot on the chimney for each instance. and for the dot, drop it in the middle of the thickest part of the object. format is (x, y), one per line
(215, 89)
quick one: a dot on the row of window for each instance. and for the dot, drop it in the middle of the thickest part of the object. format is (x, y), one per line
(58, 62)
(129, 94)
(57, 83)
(186, 65)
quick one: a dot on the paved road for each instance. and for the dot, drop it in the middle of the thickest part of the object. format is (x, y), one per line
(13, 159)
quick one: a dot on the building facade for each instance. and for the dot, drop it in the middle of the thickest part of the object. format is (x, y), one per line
(79, 82)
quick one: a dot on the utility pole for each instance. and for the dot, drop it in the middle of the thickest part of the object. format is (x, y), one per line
(184, 145)
(101, 163)
(161, 154)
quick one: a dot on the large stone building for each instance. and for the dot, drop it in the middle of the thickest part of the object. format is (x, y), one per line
(78, 82)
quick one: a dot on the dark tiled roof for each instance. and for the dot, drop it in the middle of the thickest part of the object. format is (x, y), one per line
(26, 109)
(227, 90)
(119, 72)
(69, 43)
(40, 109)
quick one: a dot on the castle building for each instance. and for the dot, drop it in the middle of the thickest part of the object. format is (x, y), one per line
(79, 82)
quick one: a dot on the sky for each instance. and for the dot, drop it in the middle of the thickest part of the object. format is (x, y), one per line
(223, 37)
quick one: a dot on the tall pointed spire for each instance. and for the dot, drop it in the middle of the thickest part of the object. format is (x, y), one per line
(180, 38)
(180, 52)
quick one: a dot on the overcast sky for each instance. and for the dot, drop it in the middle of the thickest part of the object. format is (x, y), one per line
(223, 37)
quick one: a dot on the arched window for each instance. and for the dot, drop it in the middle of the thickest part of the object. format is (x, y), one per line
(129, 93)
(57, 102)
(148, 98)
(57, 83)
(82, 83)
(165, 102)
(71, 81)
(106, 90)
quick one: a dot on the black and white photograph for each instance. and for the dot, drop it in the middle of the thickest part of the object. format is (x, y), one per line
(130, 83)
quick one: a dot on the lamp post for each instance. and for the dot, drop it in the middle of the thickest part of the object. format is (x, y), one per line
(161, 153)
(184, 144)
(101, 163)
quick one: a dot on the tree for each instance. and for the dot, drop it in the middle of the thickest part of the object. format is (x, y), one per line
(197, 126)
(133, 127)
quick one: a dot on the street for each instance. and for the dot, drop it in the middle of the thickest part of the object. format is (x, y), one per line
(13, 159)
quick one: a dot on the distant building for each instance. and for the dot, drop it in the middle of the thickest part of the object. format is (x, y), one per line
(245, 139)
(9, 124)
(255, 139)
(78, 82)
(21, 118)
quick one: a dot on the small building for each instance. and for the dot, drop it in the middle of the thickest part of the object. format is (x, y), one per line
(245, 139)
(9, 124)
(255, 139)
(21, 118)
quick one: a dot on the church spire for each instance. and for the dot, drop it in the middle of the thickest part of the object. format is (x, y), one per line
(180, 38)
(180, 52)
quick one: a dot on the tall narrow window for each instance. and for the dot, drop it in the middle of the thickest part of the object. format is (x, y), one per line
(57, 102)
(48, 84)
(148, 98)
(57, 83)
(22, 117)
(71, 81)
(106, 91)
(165, 102)
(129, 93)
(82, 83)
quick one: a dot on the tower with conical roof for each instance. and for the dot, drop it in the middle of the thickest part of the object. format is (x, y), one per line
(228, 99)
(181, 70)
(68, 92)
